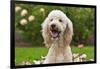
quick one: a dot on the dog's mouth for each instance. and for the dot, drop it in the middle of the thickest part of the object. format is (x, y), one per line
(54, 33)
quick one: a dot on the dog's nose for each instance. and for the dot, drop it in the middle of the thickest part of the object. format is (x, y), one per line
(53, 25)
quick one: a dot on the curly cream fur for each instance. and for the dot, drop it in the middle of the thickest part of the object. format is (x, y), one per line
(59, 48)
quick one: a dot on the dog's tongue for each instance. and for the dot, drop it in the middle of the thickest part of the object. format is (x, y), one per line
(54, 34)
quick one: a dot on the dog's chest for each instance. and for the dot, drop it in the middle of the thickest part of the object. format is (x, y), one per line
(59, 58)
(59, 55)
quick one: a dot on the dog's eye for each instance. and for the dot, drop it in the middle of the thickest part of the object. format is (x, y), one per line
(51, 19)
(60, 20)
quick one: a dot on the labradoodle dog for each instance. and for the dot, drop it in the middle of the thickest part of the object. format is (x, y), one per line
(57, 32)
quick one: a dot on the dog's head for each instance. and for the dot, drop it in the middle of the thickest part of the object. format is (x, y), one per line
(57, 25)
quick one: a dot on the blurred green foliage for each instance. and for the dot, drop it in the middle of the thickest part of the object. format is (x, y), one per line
(82, 18)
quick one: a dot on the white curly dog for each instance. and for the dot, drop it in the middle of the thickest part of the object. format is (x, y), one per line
(57, 32)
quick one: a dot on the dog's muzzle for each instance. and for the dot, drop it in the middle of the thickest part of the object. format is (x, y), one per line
(54, 32)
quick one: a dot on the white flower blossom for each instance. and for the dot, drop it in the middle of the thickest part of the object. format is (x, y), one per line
(17, 8)
(31, 18)
(75, 54)
(24, 12)
(76, 57)
(25, 63)
(83, 56)
(23, 21)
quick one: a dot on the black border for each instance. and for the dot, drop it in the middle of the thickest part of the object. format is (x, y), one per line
(12, 34)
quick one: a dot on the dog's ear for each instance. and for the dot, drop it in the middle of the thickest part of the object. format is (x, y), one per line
(68, 32)
(45, 33)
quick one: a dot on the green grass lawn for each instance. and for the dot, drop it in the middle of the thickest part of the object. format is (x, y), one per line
(35, 53)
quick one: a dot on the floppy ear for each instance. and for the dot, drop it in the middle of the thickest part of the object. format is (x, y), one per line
(45, 33)
(68, 32)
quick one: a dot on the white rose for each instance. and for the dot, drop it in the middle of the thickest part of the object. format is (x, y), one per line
(23, 21)
(24, 12)
(17, 8)
(31, 18)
